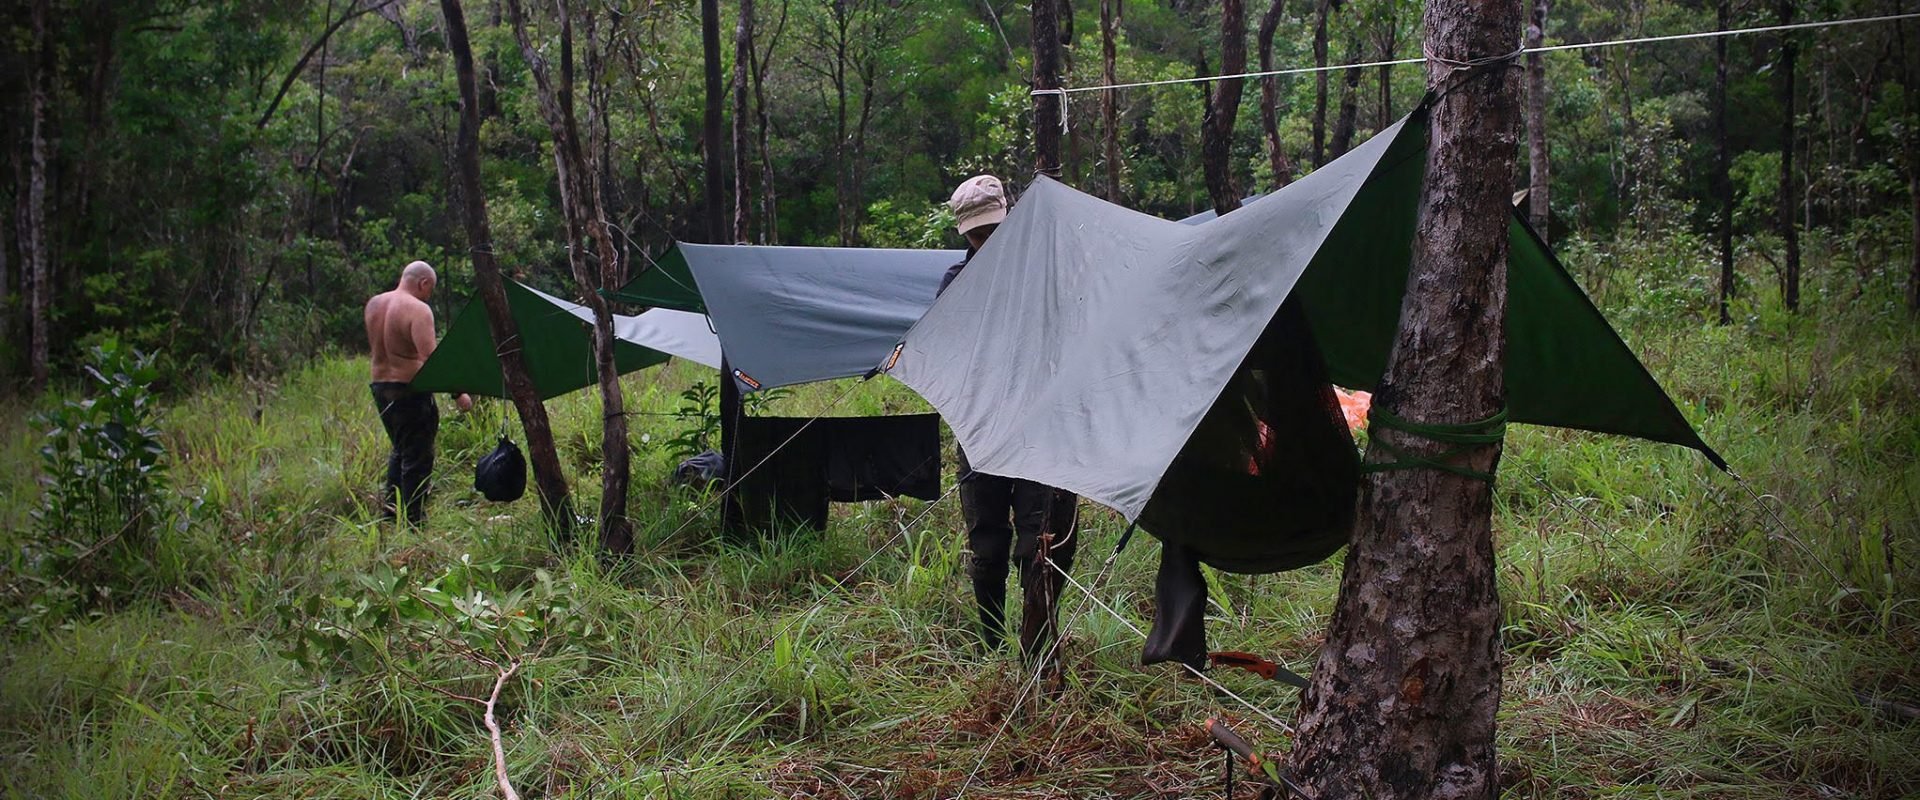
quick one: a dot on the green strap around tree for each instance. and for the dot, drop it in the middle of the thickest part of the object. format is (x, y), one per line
(1464, 435)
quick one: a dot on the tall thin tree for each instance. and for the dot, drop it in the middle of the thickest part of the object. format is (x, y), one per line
(594, 260)
(1789, 230)
(1040, 599)
(1223, 109)
(549, 481)
(1347, 120)
(1109, 100)
(1723, 162)
(1322, 15)
(1404, 693)
(1277, 160)
(743, 57)
(1537, 166)
(34, 241)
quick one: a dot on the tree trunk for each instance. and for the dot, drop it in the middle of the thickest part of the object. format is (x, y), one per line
(1722, 178)
(1389, 47)
(769, 208)
(1223, 108)
(1320, 83)
(1789, 231)
(586, 228)
(1270, 97)
(1040, 602)
(34, 241)
(742, 173)
(1538, 209)
(716, 222)
(549, 481)
(1109, 99)
(1344, 124)
(1405, 690)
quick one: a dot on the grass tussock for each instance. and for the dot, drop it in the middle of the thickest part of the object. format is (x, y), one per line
(1669, 632)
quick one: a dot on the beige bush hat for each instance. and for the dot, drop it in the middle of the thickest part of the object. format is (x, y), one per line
(981, 200)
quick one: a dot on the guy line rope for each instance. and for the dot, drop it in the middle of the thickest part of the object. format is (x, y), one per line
(1064, 92)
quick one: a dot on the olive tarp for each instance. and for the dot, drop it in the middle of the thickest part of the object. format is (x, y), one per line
(1085, 343)
(792, 315)
(558, 345)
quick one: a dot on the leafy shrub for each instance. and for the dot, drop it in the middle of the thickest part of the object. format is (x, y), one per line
(104, 469)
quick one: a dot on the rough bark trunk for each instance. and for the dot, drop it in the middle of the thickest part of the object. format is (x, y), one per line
(716, 222)
(1109, 100)
(1348, 119)
(1789, 231)
(1223, 108)
(1538, 209)
(1405, 690)
(769, 207)
(549, 481)
(1389, 47)
(1723, 160)
(1270, 97)
(742, 172)
(1046, 77)
(1320, 83)
(586, 228)
(34, 242)
(1039, 603)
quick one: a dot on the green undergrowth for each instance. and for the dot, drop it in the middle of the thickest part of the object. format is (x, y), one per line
(1670, 631)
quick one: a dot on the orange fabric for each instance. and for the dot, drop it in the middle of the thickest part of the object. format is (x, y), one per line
(1354, 405)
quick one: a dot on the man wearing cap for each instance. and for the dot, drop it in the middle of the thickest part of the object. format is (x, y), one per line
(399, 338)
(995, 508)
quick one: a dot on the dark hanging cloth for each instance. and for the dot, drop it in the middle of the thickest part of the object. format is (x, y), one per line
(1180, 610)
(837, 459)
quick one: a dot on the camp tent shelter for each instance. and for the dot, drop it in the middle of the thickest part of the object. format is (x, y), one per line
(557, 338)
(1084, 344)
(792, 315)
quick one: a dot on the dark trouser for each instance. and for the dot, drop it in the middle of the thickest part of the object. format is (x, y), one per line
(995, 508)
(411, 420)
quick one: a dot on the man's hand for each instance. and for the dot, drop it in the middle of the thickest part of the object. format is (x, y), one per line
(463, 402)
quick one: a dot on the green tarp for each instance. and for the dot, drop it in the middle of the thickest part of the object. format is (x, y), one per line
(557, 343)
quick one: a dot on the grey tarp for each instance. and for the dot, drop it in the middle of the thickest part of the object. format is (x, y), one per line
(557, 341)
(791, 315)
(1085, 342)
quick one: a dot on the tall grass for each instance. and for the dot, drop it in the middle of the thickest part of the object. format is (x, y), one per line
(1670, 632)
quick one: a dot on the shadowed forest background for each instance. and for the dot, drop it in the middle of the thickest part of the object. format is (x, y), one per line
(198, 602)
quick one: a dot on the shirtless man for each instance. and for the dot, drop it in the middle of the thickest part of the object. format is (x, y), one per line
(400, 334)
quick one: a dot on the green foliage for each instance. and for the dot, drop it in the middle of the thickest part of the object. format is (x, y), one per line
(106, 498)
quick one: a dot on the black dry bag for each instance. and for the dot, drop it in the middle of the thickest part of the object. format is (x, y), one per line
(502, 474)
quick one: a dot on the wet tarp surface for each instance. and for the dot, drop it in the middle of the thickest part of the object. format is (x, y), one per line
(1085, 342)
(791, 315)
(557, 341)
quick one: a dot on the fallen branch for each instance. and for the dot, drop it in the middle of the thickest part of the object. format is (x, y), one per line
(493, 728)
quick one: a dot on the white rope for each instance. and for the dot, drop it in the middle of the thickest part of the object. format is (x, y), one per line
(1522, 51)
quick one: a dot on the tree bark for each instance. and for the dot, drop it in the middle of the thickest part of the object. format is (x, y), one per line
(1320, 83)
(1223, 108)
(586, 228)
(34, 241)
(1270, 97)
(549, 481)
(1046, 77)
(1405, 691)
(743, 56)
(1348, 119)
(1389, 46)
(1040, 602)
(1109, 100)
(716, 226)
(1723, 161)
(1538, 209)
(1789, 231)
(769, 208)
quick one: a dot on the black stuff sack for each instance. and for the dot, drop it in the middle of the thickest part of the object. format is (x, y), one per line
(502, 474)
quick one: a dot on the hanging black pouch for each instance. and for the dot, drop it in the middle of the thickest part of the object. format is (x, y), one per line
(502, 474)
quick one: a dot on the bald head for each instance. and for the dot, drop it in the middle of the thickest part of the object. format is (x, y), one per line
(418, 279)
